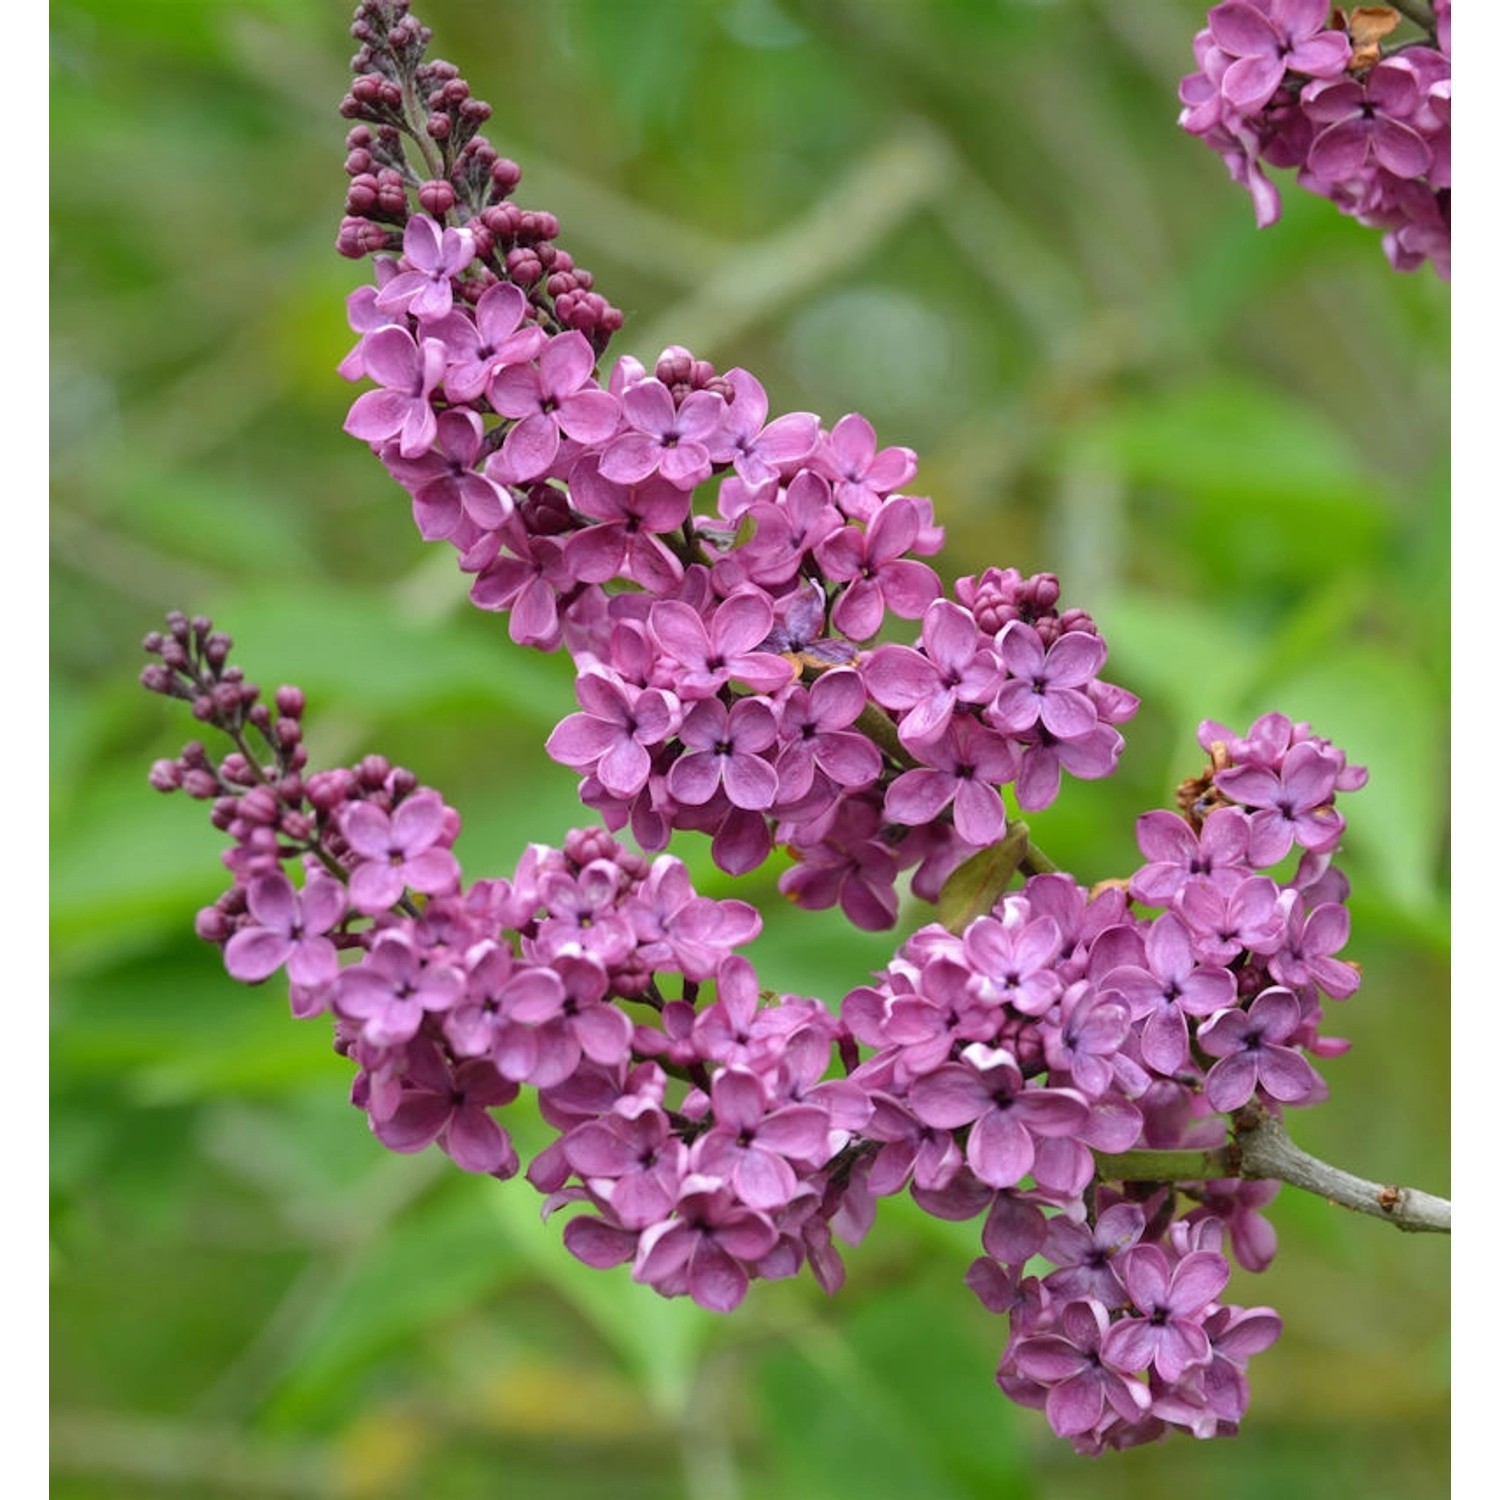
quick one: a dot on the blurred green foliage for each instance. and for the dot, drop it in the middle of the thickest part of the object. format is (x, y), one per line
(975, 221)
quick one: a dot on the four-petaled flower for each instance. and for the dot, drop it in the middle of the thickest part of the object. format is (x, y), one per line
(1252, 1052)
(398, 850)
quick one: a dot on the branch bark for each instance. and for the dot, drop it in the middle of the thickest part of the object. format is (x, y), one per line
(1260, 1148)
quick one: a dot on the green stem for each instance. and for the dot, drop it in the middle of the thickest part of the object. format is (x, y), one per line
(1033, 860)
(1167, 1166)
(414, 110)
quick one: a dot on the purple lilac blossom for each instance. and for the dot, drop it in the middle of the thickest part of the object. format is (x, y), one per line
(1278, 84)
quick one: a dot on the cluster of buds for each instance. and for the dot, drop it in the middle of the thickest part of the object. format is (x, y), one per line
(397, 97)
(722, 579)
(1356, 102)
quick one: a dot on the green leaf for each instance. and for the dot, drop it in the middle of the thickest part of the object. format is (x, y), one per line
(977, 884)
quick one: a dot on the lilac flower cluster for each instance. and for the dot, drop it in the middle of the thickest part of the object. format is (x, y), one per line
(1365, 123)
(703, 1136)
(722, 578)
(1066, 1023)
(707, 1144)
(727, 653)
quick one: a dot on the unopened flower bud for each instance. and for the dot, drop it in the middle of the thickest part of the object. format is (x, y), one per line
(212, 925)
(166, 775)
(372, 771)
(437, 197)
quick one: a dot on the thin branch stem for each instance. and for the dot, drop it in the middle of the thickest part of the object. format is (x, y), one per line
(1267, 1151)
(1260, 1149)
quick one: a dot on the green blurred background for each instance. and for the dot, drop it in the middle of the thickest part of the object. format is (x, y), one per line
(978, 224)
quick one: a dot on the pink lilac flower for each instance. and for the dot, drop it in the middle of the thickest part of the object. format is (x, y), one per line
(474, 1025)
(1046, 682)
(1085, 1255)
(583, 916)
(1012, 958)
(710, 654)
(1163, 995)
(1225, 924)
(1311, 940)
(879, 576)
(1292, 36)
(290, 928)
(556, 395)
(393, 988)
(1091, 1030)
(564, 1003)
(527, 584)
(1172, 1300)
(757, 449)
(614, 735)
(912, 1151)
(921, 1031)
(786, 530)
(1294, 806)
(966, 764)
(497, 336)
(1179, 859)
(436, 257)
(398, 850)
(861, 476)
(1082, 1388)
(816, 736)
(1365, 120)
(1250, 1046)
(1039, 778)
(636, 1166)
(662, 437)
(723, 749)
(629, 520)
(443, 485)
(675, 927)
(451, 1106)
(403, 410)
(752, 1143)
(928, 684)
(704, 1249)
(986, 1092)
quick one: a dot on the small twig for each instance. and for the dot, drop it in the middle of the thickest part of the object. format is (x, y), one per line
(1267, 1151)
(1261, 1149)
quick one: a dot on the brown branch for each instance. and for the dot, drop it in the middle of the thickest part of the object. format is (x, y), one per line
(1260, 1149)
(1267, 1151)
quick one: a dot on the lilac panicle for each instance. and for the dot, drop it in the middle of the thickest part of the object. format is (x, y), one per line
(722, 578)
